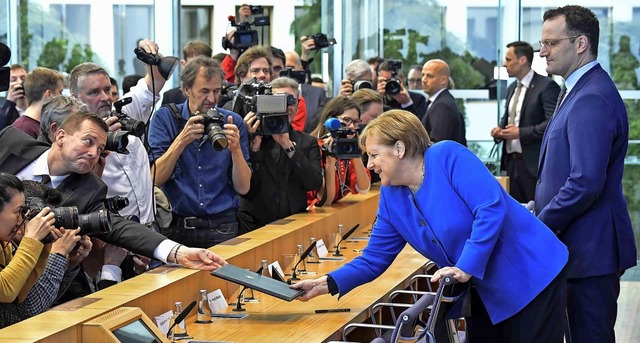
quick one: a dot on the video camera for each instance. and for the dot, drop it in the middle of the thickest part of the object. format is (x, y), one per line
(69, 218)
(245, 37)
(271, 109)
(5, 72)
(213, 123)
(343, 147)
(299, 75)
(393, 86)
(321, 41)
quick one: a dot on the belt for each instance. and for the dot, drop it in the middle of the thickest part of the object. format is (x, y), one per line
(192, 223)
(515, 156)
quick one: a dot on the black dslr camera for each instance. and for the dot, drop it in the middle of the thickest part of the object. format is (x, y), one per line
(321, 41)
(299, 75)
(361, 84)
(343, 147)
(116, 203)
(393, 86)
(245, 37)
(213, 123)
(271, 109)
(132, 126)
(69, 218)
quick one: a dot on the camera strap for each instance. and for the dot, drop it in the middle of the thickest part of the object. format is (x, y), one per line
(174, 111)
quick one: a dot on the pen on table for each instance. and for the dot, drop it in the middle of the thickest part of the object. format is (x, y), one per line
(334, 310)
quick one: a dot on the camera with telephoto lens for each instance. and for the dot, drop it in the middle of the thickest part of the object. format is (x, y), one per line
(116, 203)
(321, 41)
(69, 218)
(393, 86)
(299, 75)
(343, 147)
(245, 37)
(213, 123)
(132, 126)
(270, 109)
(117, 141)
(361, 84)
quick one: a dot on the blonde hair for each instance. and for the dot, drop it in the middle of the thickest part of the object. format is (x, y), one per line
(398, 125)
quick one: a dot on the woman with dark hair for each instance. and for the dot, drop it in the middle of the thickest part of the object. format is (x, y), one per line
(21, 266)
(442, 200)
(341, 176)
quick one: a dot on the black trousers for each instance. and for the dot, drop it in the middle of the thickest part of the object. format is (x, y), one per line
(542, 320)
(522, 185)
(592, 307)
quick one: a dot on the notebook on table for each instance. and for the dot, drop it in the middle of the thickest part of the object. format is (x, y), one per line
(257, 282)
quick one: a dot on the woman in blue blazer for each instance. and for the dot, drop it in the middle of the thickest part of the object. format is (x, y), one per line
(444, 202)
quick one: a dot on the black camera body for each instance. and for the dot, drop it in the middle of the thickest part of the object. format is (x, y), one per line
(69, 218)
(116, 203)
(117, 141)
(345, 148)
(271, 109)
(393, 86)
(299, 75)
(213, 123)
(245, 37)
(322, 41)
(132, 126)
(361, 84)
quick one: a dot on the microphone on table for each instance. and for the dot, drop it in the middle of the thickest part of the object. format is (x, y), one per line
(345, 236)
(238, 303)
(302, 257)
(183, 315)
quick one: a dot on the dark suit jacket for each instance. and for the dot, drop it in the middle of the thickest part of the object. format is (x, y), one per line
(315, 98)
(279, 184)
(537, 108)
(8, 113)
(579, 193)
(85, 191)
(444, 121)
(173, 95)
(419, 106)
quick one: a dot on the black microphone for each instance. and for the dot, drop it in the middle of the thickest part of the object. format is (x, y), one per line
(183, 314)
(238, 303)
(302, 257)
(345, 236)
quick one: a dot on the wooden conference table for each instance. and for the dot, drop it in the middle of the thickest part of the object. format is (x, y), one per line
(270, 320)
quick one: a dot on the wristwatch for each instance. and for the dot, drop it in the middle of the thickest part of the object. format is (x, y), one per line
(292, 148)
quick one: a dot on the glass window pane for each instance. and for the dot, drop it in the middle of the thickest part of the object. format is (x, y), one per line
(128, 19)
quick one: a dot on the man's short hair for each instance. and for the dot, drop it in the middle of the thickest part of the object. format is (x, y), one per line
(130, 81)
(82, 70)
(40, 80)
(253, 53)
(17, 66)
(285, 82)
(580, 21)
(72, 123)
(386, 66)
(196, 48)
(55, 110)
(113, 81)
(375, 60)
(278, 53)
(220, 56)
(365, 97)
(190, 72)
(356, 69)
(521, 48)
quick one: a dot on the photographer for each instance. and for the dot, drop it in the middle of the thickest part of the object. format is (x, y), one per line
(358, 75)
(395, 95)
(16, 102)
(30, 276)
(201, 182)
(255, 63)
(285, 166)
(341, 176)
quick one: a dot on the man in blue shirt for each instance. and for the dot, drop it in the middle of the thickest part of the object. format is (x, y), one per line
(201, 183)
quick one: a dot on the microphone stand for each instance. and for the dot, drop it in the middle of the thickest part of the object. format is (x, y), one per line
(345, 236)
(180, 318)
(304, 255)
(239, 307)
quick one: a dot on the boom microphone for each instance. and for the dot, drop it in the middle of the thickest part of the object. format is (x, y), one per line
(345, 236)
(183, 314)
(302, 257)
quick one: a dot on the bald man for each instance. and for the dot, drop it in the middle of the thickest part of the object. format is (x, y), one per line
(443, 120)
(314, 96)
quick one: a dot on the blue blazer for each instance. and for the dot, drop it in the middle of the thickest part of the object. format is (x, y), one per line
(463, 217)
(579, 193)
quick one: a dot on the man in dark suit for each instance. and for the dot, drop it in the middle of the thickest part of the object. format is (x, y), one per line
(579, 193)
(285, 166)
(67, 164)
(404, 99)
(532, 99)
(443, 119)
(190, 51)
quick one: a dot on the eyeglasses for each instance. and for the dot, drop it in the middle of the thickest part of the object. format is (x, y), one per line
(348, 121)
(257, 70)
(550, 43)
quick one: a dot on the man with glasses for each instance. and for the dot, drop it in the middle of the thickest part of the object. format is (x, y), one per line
(285, 167)
(414, 81)
(579, 194)
(531, 101)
